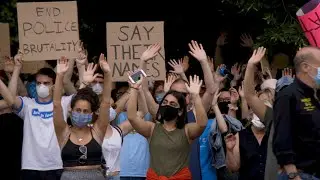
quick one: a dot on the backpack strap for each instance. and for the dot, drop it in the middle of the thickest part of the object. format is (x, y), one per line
(119, 131)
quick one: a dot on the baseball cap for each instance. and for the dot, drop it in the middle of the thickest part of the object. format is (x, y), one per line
(283, 82)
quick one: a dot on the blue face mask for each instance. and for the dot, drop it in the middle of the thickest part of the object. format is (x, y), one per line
(159, 97)
(81, 120)
(317, 77)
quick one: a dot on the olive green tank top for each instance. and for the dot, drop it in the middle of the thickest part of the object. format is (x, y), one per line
(169, 150)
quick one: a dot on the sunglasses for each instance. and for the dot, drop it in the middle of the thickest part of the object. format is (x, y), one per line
(83, 158)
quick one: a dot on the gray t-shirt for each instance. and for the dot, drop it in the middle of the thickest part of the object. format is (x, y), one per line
(272, 166)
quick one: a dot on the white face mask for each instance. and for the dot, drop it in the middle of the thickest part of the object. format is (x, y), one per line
(97, 88)
(113, 114)
(42, 91)
(257, 123)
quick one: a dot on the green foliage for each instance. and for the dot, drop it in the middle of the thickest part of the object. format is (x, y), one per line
(280, 24)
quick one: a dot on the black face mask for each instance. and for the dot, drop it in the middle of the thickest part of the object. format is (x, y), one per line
(223, 106)
(168, 113)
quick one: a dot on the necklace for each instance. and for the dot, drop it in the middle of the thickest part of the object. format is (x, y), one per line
(79, 138)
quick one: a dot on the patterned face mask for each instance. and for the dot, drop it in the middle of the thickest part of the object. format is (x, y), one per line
(81, 120)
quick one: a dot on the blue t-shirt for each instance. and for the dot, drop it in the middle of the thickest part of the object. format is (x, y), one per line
(134, 155)
(207, 170)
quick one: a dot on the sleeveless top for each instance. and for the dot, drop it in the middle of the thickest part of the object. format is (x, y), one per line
(169, 150)
(71, 154)
(111, 148)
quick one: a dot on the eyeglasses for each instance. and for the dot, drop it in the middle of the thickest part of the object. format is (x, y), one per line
(83, 158)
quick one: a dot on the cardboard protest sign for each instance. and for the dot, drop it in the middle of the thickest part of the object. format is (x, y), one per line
(309, 18)
(126, 41)
(48, 30)
(32, 67)
(4, 42)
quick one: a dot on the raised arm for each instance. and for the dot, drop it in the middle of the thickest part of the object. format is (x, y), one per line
(60, 125)
(82, 62)
(122, 101)
(148, 54)
(142, 104)
(67, 83)
(258, 106)
(178, 68)
(103, 122)
(222, 125)
(244, 104)
(194, 130)
(13, 83)
(144, 128)
(221, 41)
(197, 51)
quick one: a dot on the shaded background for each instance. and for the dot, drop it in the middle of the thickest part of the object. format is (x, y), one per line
(184, 21)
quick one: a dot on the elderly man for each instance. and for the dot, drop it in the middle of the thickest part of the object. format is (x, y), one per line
(296, 141)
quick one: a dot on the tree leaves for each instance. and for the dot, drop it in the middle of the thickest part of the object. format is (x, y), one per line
(281, 26)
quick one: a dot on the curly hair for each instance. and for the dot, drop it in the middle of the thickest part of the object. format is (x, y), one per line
(86, 94)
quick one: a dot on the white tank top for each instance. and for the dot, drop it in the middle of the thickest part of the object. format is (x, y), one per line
(111, 148)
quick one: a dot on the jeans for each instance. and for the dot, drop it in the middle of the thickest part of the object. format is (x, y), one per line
(132, 178)
(303, 176)
(113, 178)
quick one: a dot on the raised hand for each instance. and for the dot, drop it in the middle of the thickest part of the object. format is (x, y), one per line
(18, 60)
(137, 84)
(88, 74)
(211, 63)
(185, 63)
(195, 85)
(287, 72)
(222, 40)
(230, 141)
(246, 40)
(151, 52)
(8, 64)
(177, 66)
(235, 71)
(257, 55)
(168, 82)
(215, 98)
(104, 64)
(234, 96)
(197, 51)
(62, 65)
(241, 91)
(82, 55)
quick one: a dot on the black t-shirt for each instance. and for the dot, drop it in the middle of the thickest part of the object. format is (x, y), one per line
(11, 133)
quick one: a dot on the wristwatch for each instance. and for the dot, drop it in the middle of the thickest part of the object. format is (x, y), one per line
(293, 175)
